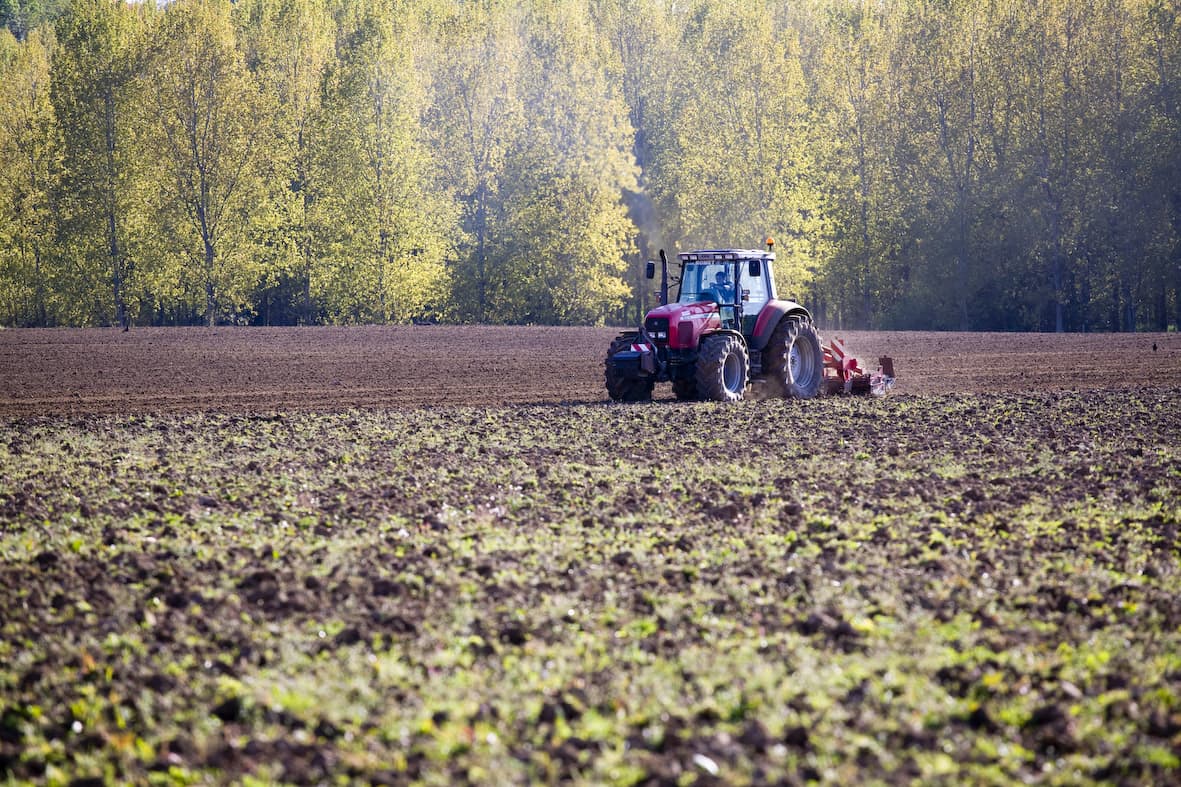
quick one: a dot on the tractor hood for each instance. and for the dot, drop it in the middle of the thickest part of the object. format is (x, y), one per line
(681, 324)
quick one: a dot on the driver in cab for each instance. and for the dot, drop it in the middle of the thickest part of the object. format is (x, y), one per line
(722, 288)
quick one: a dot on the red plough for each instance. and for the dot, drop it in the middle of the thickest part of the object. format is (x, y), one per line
(844, 374)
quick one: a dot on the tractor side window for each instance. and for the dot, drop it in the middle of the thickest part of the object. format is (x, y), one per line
(757, 286)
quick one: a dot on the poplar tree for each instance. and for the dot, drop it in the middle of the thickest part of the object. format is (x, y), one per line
(1159, 43)
(393, 222)
(646, 60)
(288, 46)
(567, 231)
(96, 99)
(27, 171)
(734, 147)
(852, 84)
(207, 110)
(476, 117)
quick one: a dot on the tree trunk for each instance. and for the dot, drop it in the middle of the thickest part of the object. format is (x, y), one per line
(307, 290)
(116, 272)
(961, 176)
(962, 265)
(481, 252)
(42, 315)
(210, 295)
(109, 137)
(1056, 283)
(866, 298)
(382, 245)
(306, 239)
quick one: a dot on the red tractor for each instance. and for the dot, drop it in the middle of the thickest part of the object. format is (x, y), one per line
(726, 330)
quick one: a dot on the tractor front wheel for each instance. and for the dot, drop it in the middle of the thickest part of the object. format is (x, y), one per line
(620, 387)
(722, 368)
(796, 359)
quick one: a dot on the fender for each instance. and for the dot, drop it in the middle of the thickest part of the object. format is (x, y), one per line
(769, 318)
(727, 332)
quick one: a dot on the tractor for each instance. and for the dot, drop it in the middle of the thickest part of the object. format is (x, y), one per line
(726, 331)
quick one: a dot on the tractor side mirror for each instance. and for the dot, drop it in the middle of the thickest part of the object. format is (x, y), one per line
(650, 270)
(754, 269)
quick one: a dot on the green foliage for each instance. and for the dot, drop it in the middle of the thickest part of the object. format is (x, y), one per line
(210, 131)
(740, 163)
(98, 99)
(21, 17)
(542, 155)
(287, 47)
(28, 167)
(476, 117)
(921, 164)
(387, 260)
(996, 176)
(566, 230)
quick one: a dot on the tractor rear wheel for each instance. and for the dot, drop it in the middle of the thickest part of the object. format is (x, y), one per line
(722, 368)
(796, 359)
(621, 388)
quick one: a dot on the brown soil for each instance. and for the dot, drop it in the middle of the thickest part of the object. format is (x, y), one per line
(207, 597)
(988, 562)
(261, 369)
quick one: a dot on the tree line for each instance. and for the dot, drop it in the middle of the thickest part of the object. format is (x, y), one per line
(925, 164)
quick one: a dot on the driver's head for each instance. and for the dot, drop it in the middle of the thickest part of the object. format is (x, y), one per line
(720, 277)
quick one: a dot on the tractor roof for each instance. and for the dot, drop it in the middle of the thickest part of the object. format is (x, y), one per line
(711, 255)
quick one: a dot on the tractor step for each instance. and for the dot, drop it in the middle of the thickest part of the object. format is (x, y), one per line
(844, 374)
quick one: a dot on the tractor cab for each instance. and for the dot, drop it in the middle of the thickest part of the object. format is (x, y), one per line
(711, 277)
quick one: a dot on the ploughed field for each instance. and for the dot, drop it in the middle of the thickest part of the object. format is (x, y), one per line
(438, 555)
(268, 369)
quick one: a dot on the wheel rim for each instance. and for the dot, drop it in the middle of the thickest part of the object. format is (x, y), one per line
(732, 373)
(799, 363)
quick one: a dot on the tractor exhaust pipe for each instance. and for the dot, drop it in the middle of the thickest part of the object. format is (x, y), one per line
(663, 279)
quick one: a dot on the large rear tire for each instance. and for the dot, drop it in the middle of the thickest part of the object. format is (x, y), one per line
(626, 389)
(723, 368)
(795, 359)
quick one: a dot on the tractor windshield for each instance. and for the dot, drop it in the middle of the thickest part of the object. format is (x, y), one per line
(707, 281)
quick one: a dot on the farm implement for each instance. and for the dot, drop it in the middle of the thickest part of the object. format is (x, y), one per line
(844, 374)
(726, 332)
